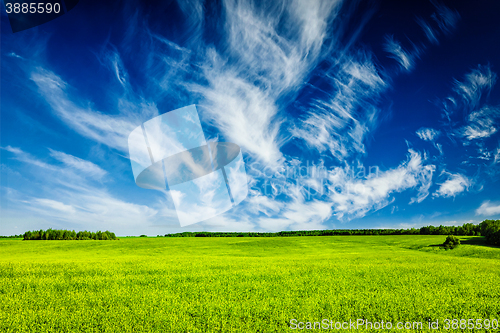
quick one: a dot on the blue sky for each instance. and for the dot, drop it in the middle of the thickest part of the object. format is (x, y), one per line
(358, 114)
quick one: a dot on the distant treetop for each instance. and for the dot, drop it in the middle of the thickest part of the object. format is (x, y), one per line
(468, 229)
(53, 234)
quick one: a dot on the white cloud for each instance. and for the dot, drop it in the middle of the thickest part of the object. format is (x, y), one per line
(79, 164)
(476, 84)
(227, 222)
(398, 53)
(14, 55)
(468, 115)
(116, 66)
(354, 198)
(428, 134)
(446, 18)
(53, 204)
(62, 194)
(455, 184)
(428, 30)
(496, 156)
(262, 204)
(245, 114)
(343, 195)
(297, 214)
(341, 123)
(9, 172)
(106, 210)
(22, 156)
(306, 215)
(481, 124)
(14, 150)
(86, 167)
(440, 148)
(268, 55)
(488, 209)
(471, 132)
(109, 130)
(357, 198)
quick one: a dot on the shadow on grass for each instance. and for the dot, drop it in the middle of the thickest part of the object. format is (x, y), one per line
(477, 241)
(444, 247)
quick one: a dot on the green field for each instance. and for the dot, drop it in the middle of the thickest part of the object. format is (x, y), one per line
(242, 284)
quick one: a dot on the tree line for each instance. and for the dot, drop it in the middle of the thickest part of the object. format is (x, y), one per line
(54, 234)
(488, 228)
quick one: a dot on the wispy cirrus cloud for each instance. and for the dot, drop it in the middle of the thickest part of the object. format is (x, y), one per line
(469, 118)
(258, 203)
(474, 86)
(431, 135)
(481, 123)
(65, 196)
(56, 205)
(23, 156)
(428, 134)
(446, 20)
(496, 156)
(443, 21)
(111, 59)
(312, 202)
(361, 196)
(340, 123)
(244, 85)
(86, 167)
(430, 33)
(347, 197)
(445, 17)
(405, 58)
(109, 130)
(298, 213)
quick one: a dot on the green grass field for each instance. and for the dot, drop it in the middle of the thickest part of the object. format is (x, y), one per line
(242, 284)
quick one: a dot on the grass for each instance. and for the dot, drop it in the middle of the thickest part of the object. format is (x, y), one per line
(242, 284)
